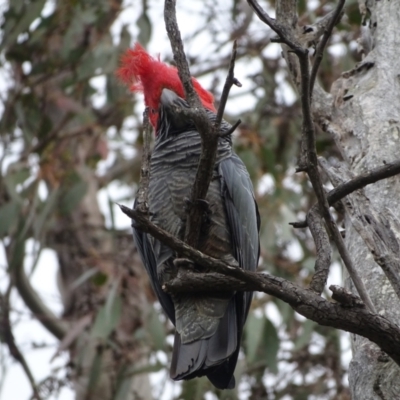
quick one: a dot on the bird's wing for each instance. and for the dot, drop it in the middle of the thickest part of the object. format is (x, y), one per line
(146, 252)
(242, 212)
(242, 215)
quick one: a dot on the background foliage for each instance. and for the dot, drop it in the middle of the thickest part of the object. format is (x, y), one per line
(70, 148)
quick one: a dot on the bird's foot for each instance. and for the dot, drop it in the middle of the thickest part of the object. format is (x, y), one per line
(184, 262)
(166, 272)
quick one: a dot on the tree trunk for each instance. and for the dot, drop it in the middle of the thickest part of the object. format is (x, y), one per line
(365, 122)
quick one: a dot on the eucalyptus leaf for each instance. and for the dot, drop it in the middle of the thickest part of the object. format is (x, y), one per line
(254, 331)
(9, 213)
(95, 371)
(156, 330)
(108, 316)
(73, 197)
(271, 345)
(305, 337)
(144, 25)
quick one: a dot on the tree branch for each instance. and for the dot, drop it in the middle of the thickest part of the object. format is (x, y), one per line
(6, 335)
(44, 315)
(209, 138)
(350, 316)
(308, 160)
(230, 80)
(142, 196)
(334, 20)
(344, 189)
(223, 276)
(323, 249)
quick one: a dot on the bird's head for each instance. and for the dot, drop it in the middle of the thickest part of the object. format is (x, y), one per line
(143, 73)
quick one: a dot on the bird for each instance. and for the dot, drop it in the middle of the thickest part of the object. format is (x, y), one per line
(208, 326)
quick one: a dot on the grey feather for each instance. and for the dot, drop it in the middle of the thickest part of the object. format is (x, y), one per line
(208, 327)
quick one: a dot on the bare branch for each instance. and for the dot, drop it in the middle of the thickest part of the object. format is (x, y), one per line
(334, 20)
(44, 315)
(142, 197)
(230, 80)
(209, 139)
(350, 316)
(308, 159)
(386, 171)
(227, 277)
(344, 189)
(174, 36)
(284, 34)
(6, 335)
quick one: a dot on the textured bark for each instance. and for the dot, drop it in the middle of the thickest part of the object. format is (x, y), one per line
(365, 122)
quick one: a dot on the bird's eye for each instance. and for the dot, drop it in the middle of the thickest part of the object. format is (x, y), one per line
(153, 111)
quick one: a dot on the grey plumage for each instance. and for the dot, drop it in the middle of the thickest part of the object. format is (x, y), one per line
(208, 327)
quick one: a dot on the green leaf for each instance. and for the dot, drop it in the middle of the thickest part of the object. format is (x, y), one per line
(44, 215)
(146, 369)
(156, 330)
(83, 278)
(95, 372)
(73, 197)
(18, 19)
(254, 331)
(9, 213)
(194, 389)
(109, 315)
(144, 25)
(271, 345)
(123, 389)
(305, 336)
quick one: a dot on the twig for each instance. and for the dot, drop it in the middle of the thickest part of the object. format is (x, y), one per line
(44, 315)
(208, 132)
(322, 44)
(285, 36)
(7, 335)
(142, 197)
(344, 189)
(209, 138)
(230, 80)
(386, 171)
(345, 298)
(231, 129)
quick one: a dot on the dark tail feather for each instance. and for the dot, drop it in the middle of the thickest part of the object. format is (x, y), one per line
(215, 357)
(187, 358)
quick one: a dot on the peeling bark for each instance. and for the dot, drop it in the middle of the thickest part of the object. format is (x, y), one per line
(365, 122)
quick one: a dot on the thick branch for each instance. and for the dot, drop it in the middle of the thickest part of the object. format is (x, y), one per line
(306, 302)
(323, 249)
(351, 316)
